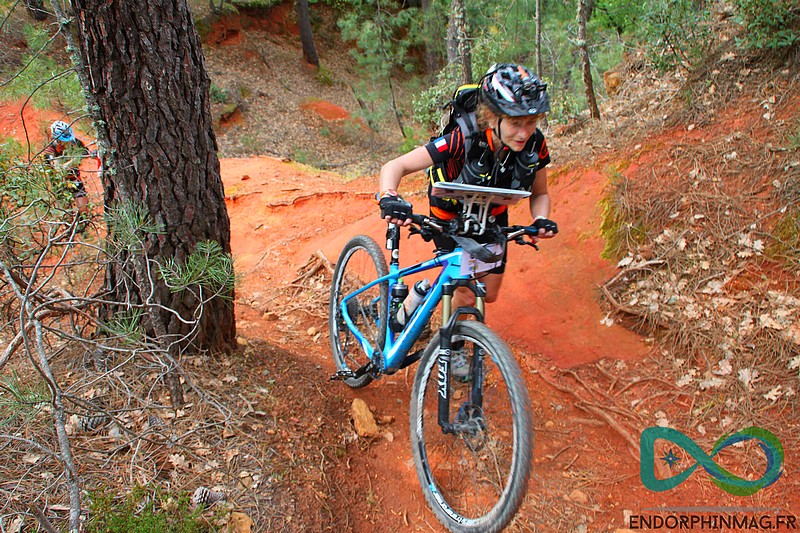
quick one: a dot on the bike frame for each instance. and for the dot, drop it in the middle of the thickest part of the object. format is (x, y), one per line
(392, 356)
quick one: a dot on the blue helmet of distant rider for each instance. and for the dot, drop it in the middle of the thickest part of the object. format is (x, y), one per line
(61, 131)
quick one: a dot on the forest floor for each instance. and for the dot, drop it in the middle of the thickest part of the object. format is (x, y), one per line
(289, 459)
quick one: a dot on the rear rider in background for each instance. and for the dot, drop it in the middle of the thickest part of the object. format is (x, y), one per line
(508, 151)
(65, 151)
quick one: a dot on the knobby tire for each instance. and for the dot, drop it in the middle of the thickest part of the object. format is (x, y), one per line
(360, 262)
(474, 481)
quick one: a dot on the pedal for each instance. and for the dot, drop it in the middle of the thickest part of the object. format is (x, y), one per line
(342, 375)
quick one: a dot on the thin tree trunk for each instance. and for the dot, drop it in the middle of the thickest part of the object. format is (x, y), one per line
(458, 48)
(586, 67)
(539, 68)
(306, 33)
(539, 65)
(432, 59)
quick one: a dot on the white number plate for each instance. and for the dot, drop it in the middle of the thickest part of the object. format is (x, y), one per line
(470, 265)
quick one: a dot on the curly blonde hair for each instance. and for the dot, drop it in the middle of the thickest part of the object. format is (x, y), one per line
(484, 116)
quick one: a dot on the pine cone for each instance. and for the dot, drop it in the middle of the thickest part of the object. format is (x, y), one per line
(89, 424)
(207, 497)
(155, 423)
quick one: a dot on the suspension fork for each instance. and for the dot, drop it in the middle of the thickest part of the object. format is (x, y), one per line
(449, 320)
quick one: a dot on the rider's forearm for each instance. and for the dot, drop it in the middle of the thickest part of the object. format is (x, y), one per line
(393, 171)
(390, 178)
(540, 206)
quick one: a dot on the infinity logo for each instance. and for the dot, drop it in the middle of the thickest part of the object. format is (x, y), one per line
(769, 443)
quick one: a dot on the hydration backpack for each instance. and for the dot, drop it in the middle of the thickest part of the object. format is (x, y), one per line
(462, 113)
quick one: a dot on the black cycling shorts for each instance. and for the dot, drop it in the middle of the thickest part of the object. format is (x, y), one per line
(446, 244)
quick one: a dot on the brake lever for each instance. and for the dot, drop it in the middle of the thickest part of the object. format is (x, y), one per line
(521, 240)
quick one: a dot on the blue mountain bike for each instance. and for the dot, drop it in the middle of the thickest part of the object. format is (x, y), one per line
(472, 438)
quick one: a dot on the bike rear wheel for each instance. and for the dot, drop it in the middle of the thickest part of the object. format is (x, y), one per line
(475, 478)
(360, 262)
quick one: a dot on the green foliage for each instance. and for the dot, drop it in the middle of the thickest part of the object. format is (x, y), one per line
(208, 267)
(412, 138)
(428, 104)
(144, 510)
(218, 95)
(125, 325)
(786, 240)
(772, 24)
(311, 159)
(676, 31)
(384, 37)
(43, 78)
(129, 222)
(793, 137)
(20, 400)
(253, 4)
(33, 200)
(10, 150)
(325, 76)
(622, 16)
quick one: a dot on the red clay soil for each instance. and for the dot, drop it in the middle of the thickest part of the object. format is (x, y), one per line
(548, 304)
(326, 110)
(25, 123)
(584, 472)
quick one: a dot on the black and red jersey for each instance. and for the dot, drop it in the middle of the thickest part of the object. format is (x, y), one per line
(55, 150)
(449, 157)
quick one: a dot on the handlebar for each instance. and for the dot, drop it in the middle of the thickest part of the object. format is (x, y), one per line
(427, 227)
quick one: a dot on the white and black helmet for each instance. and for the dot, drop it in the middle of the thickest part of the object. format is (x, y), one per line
(513, 90)
(61, 131)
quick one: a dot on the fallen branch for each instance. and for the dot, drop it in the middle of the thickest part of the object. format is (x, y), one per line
(43, 521)
(596, 410)
(616, 426)
(631, 311)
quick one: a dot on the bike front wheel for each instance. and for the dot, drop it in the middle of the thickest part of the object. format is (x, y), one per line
(475, 477)
(360, 262)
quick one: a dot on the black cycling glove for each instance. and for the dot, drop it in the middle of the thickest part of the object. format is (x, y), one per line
(546, 224)
(394, 207)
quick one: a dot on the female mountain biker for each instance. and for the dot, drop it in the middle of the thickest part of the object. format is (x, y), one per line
(511, 153)
(507, 151)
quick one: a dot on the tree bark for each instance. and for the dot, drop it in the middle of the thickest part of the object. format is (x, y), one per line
(150, 102)
(432, 58)
(458, 48)
(539, 67)
(306, 34)
(583, 52)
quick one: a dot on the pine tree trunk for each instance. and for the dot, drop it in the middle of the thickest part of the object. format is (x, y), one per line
(432, 58)
(539, 67)
(458, 48)
(583, 51)
(150, 95)
(306, 34)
